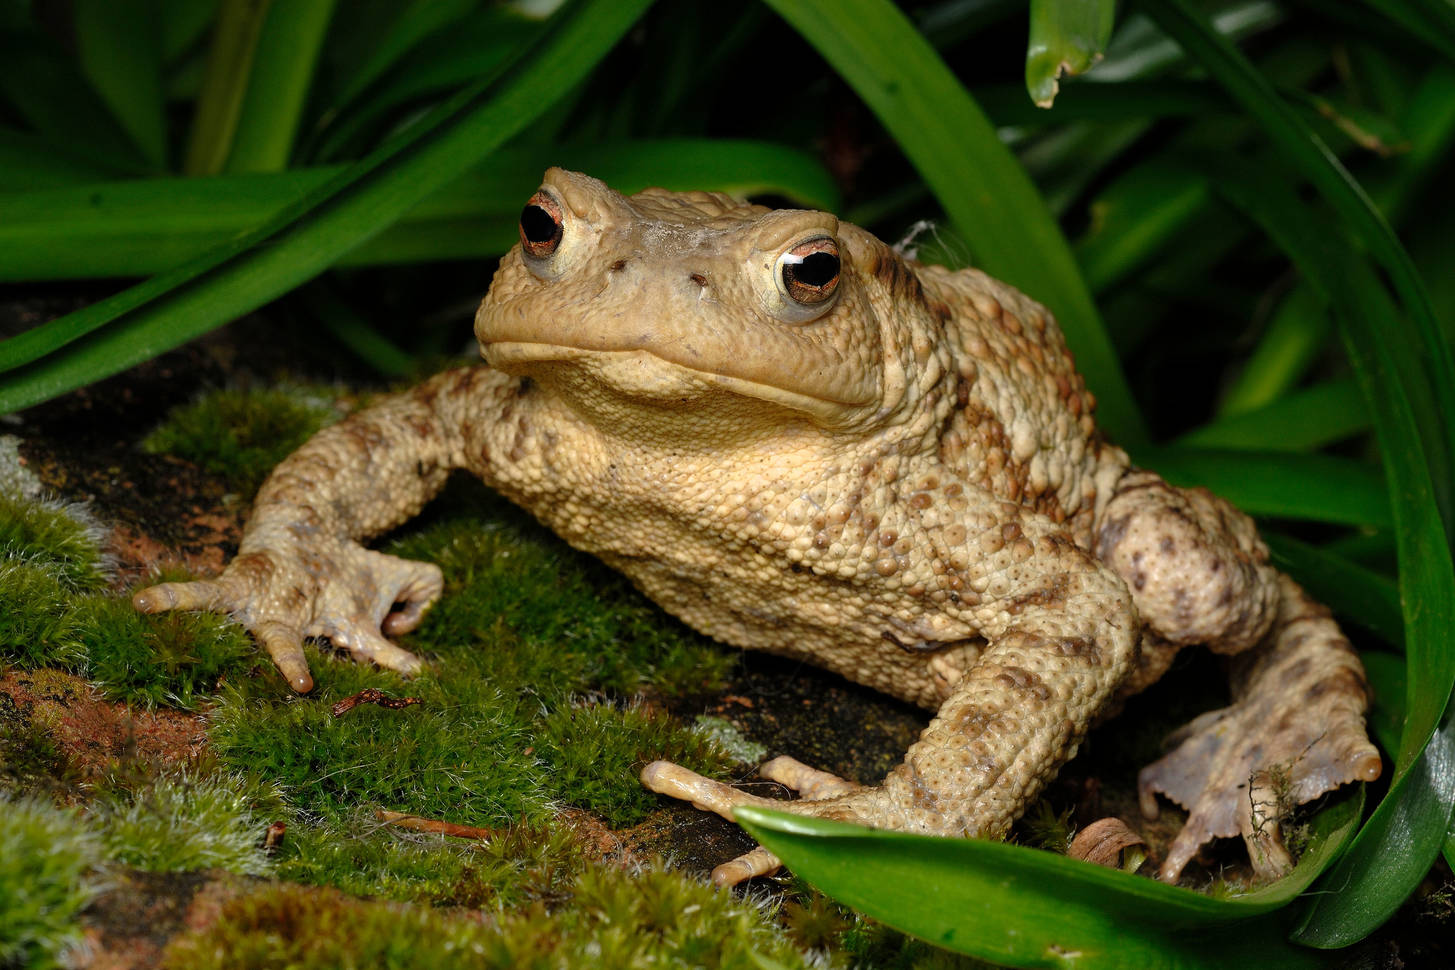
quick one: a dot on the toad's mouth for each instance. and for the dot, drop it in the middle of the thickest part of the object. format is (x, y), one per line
(641, 373)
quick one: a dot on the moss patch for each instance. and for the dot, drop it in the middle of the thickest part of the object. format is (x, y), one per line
(187, 821)
(45, 857)
(239, 434)
(614, 919)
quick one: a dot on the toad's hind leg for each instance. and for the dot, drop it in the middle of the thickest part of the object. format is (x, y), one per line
(1199, 574)
(1295, 730)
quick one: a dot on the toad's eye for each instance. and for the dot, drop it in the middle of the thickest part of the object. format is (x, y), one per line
(810, 271)
(540, 226)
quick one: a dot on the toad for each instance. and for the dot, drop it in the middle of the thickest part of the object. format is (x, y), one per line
(799, 441)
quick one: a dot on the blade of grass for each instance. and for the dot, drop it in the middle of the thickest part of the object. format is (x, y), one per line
(1315, 488)
(1301, 421)
(984, 190)
(120, 49)
(1067, 37)
(1025, 907)
(1133, 218)
(1295, 338)
(1429, 22)
(1313, 160)
(311, 234)
(137, 227)
(1356, 593)
(475, 49)
(229, 66)
(418, 20)
(282, 70)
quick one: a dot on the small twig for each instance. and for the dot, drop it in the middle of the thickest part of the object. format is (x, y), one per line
(372, 695)
(418, 824)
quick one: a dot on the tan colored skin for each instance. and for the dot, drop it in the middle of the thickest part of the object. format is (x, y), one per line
(902, 483)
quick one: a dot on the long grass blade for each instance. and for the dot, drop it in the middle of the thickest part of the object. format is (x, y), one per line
(282, 71)
(985, 192)
(310, 235)
(1301, 421)
(1311, 487)
(139, 227)
(229, 67)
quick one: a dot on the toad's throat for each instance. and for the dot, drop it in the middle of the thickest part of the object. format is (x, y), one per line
(520, 356)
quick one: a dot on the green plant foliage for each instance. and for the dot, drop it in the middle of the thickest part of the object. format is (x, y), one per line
(188, 821)
(46, 858)
(240, 434)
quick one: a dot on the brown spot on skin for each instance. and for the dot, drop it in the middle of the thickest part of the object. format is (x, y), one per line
(618, 266)
(920, 500)
(699, 279)
(1010, 532)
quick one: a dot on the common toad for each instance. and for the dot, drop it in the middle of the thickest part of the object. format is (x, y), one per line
(798, 441)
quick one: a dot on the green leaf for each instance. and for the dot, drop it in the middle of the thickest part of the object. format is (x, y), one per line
(1026, 907)
(229, 66)
(120, 48)
(1316, 488)
(1295, 338)
(143, 226)
(282, 70)
(1355, 593)
(1134, 218)
(985, 192)
(1067, 37)
(36, 162)
(1301, 421)
(313, 233)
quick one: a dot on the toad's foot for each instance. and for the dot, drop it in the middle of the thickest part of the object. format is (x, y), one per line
(349, 594)
(666, 778)
(1294, 731)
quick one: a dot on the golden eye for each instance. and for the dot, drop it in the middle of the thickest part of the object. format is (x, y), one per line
(810, 271)
(540, 226)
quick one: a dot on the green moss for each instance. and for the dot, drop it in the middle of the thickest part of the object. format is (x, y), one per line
(240, 434)
(174, 659)
(589, 749)
(38, 624)
(189, 821)
(517, 865)
(61, 537)
(46, 855)
(614, 919)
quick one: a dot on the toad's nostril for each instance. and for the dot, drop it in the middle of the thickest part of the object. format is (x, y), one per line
(618, 266)
(699, 279)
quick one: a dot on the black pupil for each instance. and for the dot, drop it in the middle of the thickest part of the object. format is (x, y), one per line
(817, 269)
(538, 225)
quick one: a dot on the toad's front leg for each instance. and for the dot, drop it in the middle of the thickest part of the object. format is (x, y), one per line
(1061, 634)
(301, 570)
